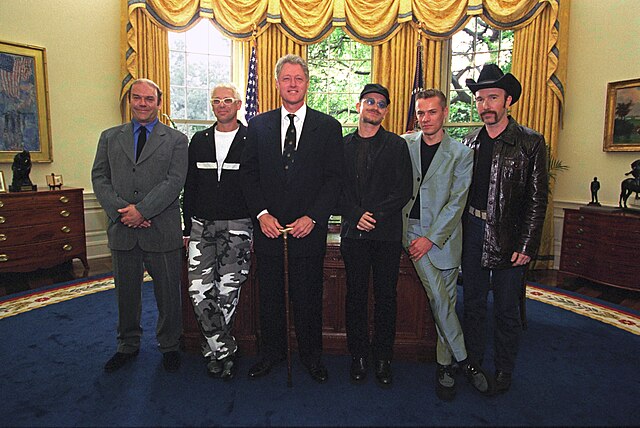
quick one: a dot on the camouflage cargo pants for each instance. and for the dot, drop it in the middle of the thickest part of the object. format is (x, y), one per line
(219, 261)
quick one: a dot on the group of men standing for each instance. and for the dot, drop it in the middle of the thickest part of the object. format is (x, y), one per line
(480, 204)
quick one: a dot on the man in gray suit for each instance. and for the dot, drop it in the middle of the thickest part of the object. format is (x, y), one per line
(139, 170)
(442, 169)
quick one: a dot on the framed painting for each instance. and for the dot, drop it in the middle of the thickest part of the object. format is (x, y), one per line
(622, 117)
(24, 102)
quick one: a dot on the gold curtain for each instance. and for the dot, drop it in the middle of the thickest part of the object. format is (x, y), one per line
(541, 73)
(394, 64)
(287, 26)
(146, 56)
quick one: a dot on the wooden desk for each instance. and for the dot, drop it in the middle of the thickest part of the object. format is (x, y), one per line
(41, 229)
(415, 330)
(601, 245)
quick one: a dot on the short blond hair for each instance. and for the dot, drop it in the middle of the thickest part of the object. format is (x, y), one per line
(227, 85)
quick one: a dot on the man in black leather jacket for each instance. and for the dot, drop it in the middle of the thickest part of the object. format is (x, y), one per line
(503, 223)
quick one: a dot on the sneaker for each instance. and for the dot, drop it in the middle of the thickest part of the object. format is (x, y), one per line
(229, 368)
(214, 367)
(445, 383)
(477, 377)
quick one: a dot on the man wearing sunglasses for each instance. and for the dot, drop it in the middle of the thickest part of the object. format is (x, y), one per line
(377, 186)
(217, 229)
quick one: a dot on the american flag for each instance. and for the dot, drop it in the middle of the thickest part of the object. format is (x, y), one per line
(252, 105)
(418, 85)
(13, 71)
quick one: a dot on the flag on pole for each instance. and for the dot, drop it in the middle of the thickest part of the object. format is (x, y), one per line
(252, 105)
(418, 85)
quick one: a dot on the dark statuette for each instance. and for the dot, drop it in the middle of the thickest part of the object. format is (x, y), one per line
(595, 186)
(21, 169)
(630, 185)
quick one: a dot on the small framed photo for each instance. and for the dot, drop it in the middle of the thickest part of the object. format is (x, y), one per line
(3, 185)
(54, 181)
(622, 117)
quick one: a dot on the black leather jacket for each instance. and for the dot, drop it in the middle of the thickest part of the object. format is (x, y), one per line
(518, 192)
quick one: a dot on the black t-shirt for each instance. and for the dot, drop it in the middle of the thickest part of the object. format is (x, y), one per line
(482, 172)
(427, 154)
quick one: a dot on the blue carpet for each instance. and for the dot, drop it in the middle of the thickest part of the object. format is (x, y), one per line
(571, 371)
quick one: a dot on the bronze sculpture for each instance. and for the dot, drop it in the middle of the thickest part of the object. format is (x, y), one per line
(21, 169)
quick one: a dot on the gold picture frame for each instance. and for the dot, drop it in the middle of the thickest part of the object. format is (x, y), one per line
(622, 117)
(3, 184)
(25, 102)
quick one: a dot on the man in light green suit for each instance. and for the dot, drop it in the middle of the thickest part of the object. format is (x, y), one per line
(442, 171)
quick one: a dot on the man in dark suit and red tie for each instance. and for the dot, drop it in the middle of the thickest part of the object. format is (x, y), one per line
(291, 171)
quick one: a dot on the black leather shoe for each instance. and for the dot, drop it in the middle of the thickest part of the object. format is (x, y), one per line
(318, 373)
(229, 368)
(503, 381)
(359, 368)
(171, 361)
(482, 382)
(445, 383)
(119, 359)
(384, 376)
(261, 368)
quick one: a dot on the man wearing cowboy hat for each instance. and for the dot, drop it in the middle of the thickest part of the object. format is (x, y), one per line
(503, 223)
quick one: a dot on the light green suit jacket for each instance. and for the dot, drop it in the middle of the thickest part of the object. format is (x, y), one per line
(443, 196)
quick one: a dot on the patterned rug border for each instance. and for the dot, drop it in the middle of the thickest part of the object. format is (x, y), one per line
(594, 310)
(581, 306)
(25, 303)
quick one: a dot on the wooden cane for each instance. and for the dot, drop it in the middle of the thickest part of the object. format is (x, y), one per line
(285, 233)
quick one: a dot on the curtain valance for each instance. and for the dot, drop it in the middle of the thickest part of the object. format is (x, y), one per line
(310, 21)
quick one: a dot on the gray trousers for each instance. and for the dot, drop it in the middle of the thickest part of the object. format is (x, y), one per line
(440, 286)
(219, 262)
(165, 269)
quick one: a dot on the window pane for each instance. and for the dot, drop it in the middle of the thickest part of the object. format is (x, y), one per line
(177, 68)
(339, 68)
(178, 103)
(199, 59)
(197, 103)
(197, 70)
(471, 48)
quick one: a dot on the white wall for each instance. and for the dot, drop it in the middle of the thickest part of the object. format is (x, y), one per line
(82, 39)
(604, 46)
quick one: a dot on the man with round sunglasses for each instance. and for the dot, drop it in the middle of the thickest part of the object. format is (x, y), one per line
(377, 185)
(217, 229)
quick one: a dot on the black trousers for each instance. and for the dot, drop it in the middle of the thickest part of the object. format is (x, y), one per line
(305, 294)
(506, 285)
(361, 257)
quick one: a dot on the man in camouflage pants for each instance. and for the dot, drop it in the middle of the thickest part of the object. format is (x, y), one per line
(218, 229)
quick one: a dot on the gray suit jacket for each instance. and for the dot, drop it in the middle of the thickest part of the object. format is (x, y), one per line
(152, 184)
(443, 196)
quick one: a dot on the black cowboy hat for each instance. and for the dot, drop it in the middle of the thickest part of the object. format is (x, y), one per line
(492, 77)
